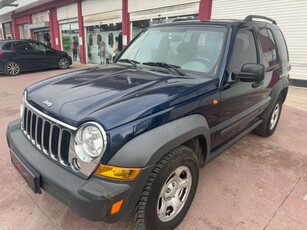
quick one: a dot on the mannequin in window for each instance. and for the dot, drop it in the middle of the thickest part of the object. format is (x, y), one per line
(102, 51)
(75, 48)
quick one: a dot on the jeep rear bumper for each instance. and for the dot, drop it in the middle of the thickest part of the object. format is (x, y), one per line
(91, 198)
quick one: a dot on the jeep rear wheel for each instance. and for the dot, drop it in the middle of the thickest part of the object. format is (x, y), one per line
(169, 191)
(268, 126)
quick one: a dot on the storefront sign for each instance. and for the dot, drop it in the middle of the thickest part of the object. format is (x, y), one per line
(124, 40)
(40, 17)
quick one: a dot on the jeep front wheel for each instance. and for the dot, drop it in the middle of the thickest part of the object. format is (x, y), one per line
(169, 191)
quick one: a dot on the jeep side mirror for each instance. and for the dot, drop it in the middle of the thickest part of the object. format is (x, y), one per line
(250, 73)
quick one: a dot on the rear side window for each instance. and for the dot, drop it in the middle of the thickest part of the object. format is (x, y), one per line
(19, 46)
(283, 50)
(7, 46)
(268, 47)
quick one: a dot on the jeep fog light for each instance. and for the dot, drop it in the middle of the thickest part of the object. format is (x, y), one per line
(117, 172)
(90, 141)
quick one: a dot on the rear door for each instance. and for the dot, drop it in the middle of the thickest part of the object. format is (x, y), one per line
(273, 67)
(239, 100)
(27, 56)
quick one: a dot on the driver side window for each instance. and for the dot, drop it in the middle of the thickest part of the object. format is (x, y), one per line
(244, 51)
(37, 46)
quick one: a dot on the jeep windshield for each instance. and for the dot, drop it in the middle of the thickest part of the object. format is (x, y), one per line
(183, 50)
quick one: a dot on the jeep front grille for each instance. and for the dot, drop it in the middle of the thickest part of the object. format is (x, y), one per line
(50, 136)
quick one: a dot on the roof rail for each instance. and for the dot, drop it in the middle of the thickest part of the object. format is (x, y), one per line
(183, 19)
(250, 18)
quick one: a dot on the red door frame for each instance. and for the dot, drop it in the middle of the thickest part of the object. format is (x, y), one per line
(81, 34)
(125, 21)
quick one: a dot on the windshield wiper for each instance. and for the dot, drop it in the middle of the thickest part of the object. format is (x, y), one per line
(166, 65)
(132, 62)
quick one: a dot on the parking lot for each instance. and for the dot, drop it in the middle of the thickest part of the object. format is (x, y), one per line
(258, 183)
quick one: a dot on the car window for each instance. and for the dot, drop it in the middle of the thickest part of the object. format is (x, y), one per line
(193, 49)
(244, 51)
(7, 46)
(283, 51)
(268, 47)
(20, 45)
(37, 46)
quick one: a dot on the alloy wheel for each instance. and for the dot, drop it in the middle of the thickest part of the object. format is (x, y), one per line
(63, 63)
(174, 193)
(12, 68)
(274, 117)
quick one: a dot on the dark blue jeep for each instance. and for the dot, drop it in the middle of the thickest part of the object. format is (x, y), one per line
(130, 137)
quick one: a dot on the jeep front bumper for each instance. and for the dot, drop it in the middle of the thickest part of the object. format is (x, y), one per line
(91, 198)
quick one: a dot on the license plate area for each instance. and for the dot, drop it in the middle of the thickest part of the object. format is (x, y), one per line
(27, 171)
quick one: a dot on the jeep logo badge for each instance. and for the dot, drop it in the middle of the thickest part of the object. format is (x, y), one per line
(48, 103)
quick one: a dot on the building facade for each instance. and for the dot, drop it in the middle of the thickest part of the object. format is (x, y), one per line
(94, 31)
(90, 31)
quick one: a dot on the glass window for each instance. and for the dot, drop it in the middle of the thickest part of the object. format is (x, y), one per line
(24, 31)
(244, 51)
(283, 51)
(104, 42)
(268, 46)
(37, 46)
(196, 49)
(21, 46)
(70, 40)
(7, 46)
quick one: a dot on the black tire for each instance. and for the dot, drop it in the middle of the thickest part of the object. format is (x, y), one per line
(269, 124)
(180, 161)
(12, 68)
(63, 63)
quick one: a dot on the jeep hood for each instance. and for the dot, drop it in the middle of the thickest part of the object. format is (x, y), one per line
(113, 94)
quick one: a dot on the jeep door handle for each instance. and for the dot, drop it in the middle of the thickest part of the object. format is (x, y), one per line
(257, 84)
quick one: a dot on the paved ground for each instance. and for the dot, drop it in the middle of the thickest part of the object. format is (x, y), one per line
(256, 184)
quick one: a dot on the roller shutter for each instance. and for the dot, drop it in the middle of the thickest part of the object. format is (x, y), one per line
(290, 17)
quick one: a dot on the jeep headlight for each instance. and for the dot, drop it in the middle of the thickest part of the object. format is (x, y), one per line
(22, 105)
(90, 141)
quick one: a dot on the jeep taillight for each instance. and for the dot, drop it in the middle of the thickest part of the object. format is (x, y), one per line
(1, 54)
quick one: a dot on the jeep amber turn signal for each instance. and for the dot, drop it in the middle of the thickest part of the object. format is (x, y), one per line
(117, 172)
(116, 207)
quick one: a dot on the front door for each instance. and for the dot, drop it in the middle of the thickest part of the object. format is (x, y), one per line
(240, 101)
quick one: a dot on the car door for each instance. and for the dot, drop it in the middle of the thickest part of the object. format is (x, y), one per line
(25, 55)
(273, 68)
(40, 53)
(240, 101)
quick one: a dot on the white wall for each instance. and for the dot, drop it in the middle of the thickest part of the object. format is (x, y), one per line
(98, 6)
(67, 12)
(290, 16)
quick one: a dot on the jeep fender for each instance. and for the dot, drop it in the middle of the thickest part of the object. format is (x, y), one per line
(148, 148)
(275, 94)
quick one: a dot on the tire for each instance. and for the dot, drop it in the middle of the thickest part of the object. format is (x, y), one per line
(268, 126)
(162, 204)
(12, 68)
(63, 63)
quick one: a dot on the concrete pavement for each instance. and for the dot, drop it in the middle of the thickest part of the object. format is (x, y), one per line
(258, 183)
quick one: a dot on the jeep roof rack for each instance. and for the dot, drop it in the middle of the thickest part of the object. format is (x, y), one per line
(187, 18)
(250, 18)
